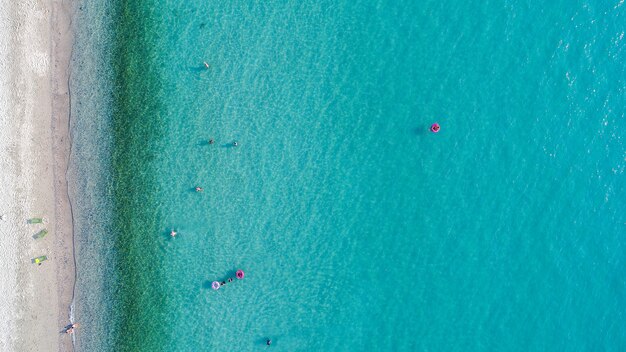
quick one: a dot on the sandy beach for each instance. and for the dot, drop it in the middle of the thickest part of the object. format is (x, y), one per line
(35, 44)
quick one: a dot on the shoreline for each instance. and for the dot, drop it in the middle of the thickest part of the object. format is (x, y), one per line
(34, 118)
(61, 52)
(89, 174)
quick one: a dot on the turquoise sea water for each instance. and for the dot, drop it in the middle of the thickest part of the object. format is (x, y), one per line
(357, 228)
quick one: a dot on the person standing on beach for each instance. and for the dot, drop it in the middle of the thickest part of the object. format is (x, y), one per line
(70, 329)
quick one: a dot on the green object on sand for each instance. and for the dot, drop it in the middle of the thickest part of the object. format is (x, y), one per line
(39, 259)
(35, 221)
(40, 234)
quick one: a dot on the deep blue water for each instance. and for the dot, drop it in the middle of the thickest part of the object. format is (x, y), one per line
(357, 228)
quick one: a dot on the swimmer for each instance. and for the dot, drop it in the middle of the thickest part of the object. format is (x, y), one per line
(199, 189)
(206, 64)
(211, 141)
(235, 144)
(173, 233)
(268, 342)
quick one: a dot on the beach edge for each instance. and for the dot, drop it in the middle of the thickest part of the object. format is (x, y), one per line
(61, 42)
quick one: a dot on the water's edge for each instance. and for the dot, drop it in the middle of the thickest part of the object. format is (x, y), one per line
(89, 174)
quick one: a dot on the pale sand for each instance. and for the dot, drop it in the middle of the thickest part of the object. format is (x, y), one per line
(35, 43)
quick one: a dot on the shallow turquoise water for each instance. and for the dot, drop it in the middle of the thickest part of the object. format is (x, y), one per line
(357, 228)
